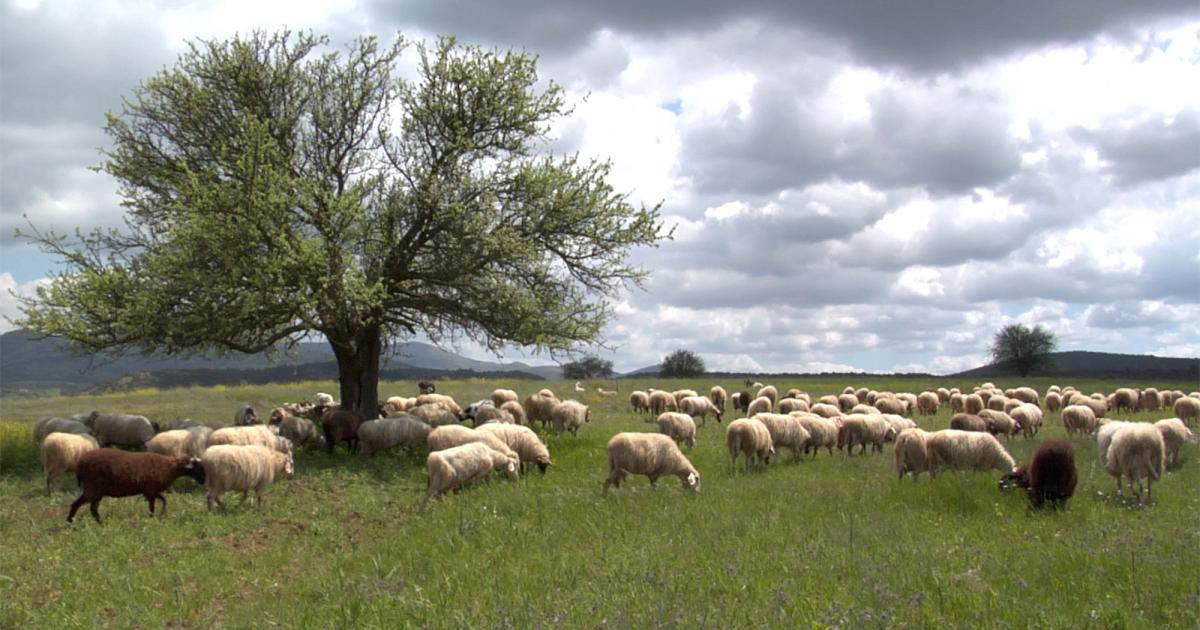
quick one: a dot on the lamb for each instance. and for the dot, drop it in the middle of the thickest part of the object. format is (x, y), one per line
(699, 408)
(53, 424)
(515, 410)
(786, 432)
(60, 452)
(973, 404)
(788, 405)
(718, 396)
(639, 401)
(243, 436)
(462, 466)
(651, 454)
(440, 399)
(822, 432)
(189, 442)
(405, 430)
(434, 415)
(999, 423)
(121, 429)
(501, 396)
(966, 450)
(1174, 433)
(1050, 476)
(538, 407)
(762, 404)
(928, 403)
(109, 472)
(968, 422)
(750, 437)
(768, 392)
(847, 401)
(1187, 408)
(569, 415)
(912, 455)
(826, 411)
(679, 426)
(1078, 418)
(863, 430)
(231, 468)
(1136, 452)
(453, 435)
(245, 416)
(524, 442)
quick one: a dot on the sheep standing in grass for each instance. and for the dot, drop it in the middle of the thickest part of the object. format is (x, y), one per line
(52, 424)
(864, 430)
(958, 403)
(1029, 417)
(699, 408)
(847, 401)
(928, 403)
(514, 409)
(1050, 476)
(966, 450)
(232, 468)
(569, 415)
(434, 415)
(718, 396)
(973, 404)
(741, 401)
(403, 430)
(888, 404)
(968, 422)
(60, 453)
(749, 437)
(1053, 401)
(826, 411)
(679, 426)
(1187, 409)
(651, 454)
(1078, 418)
(301, 431)
(462, 466)
(1028, 395)
(661, 401)
(189, 442)
(912, 455)
(822, 432)
(524, 442)
(261, 435)
(769, 392)
(1150, 400)
(440, 399)
(762, 404)
(999, 423)
(453, 435)
(109, 472)
(788, 405)
(786, 432)
(639, 401)
(680, 394)
(490, 414)
(245, 416)
(538, 407)
(1174, 433)
(1136, 452)
(121, 429)
(501, 396)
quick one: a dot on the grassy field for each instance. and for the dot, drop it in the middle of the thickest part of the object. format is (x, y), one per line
(832, 542)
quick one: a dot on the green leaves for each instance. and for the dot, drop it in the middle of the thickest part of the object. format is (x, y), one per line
(1023, 349)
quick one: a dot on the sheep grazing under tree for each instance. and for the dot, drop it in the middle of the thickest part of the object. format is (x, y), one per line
(232, 468)
(108, 472)
(341, 425)
(1050, 476)
(651, 454)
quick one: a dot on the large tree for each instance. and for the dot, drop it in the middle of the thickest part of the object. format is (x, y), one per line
(275, 189)
(1022, 349)
(681, 364)
(588, 367)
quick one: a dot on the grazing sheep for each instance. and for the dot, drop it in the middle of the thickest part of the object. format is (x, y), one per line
(928, 403)
(1027, 394)
(788, 405)
(515, 410)
(769, 392)
(121, 429)
(538, 407)
(651, 454)
(60, 453)
(912, 456)
(898, 424)
(395, 404)
(490, 414)
(849, 389)
(453, 435)
(718, 396)
(474, 409)
(1174, 434)
(1078, 418)
(1050, 476)
(830, 399)
(699, 408)
(968, 422)
(762, 404)
(639, 401)
(109, 472)
(1099, 407)
(404, 430)
(999, 423)
(52, 424)
(440, 399)
(864, 409)
(679, 426)
(786, 432)
(1136, 452)
(524, 442)
(462, 466)
(740, 401)
(300, 431)
(1054, 401)
(1150, 400)
(661, 402)
(259, 434)
(863, 430)
(973, 404)
(826, 411)
(847, 401)
(232, 468)
(569, 415)
(822, 432)
(999, 403)
(245, 416)
(434, 415)
(680, 394)
(1187, 409)
(1028, 417)
(1125, 399)
(189, 442)
(750, 437)
(501, 396)
(888, 404)
(966, 450)
(1106, 428)
(958, 403)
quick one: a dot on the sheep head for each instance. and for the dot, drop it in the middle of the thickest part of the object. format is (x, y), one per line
(194, 469)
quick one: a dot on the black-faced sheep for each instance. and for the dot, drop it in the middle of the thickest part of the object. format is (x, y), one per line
(1050, 477)
(108, 472)
(651, 454)
(245, 416)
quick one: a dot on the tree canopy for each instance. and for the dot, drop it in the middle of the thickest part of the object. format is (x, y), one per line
(588, 367)
(276, 188)
(1022, 349)
(681, 364)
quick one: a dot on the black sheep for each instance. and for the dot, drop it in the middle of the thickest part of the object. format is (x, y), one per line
(341, 425)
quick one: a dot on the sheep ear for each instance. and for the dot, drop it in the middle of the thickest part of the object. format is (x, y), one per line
(691, 479)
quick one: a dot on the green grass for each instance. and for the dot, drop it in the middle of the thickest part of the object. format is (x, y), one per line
(827, 542)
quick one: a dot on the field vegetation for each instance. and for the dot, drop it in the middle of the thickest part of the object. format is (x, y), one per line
(827, 542)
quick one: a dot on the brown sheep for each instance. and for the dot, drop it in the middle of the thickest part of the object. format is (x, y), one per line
(110, 472)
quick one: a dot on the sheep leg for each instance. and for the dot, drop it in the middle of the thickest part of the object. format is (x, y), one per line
(74, 507)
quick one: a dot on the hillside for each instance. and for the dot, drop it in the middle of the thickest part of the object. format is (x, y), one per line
(1105, 364)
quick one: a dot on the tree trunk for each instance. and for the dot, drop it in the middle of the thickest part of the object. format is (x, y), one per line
(358, 371)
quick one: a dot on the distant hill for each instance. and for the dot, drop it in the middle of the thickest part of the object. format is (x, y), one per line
(1105, 365)
(28, 363)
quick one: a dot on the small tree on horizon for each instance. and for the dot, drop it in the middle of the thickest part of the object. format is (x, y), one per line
(588, 367)
(682, 364)
(1022, 349)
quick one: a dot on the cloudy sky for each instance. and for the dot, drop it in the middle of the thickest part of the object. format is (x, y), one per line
(865, 185)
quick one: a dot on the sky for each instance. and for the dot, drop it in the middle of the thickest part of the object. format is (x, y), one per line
(875, 185)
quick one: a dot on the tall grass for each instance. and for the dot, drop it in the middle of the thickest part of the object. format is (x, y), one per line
(828, 542)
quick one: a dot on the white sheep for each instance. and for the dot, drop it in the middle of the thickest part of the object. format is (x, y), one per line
(770, 392)
(1105, 430)
(679, 426)
(515, 410)
(446, 402)
(1078, 418)
(1029, 417)
(230, 467)
(718, 396)
(651, 454)
(524, 442)
(395, 404)
(699, 408)
(762, 404)
(434, 415)
(189, 442)
(898, 423)
(966, 450)
(261, 435)
(453, 435)
(1187, 409)
(891, 404)
(847, 401)
(1175, 433)
(958, 403)
(786, 432)
(639, 401)
(680, 394)
(788, 405)
(1136, 452)
(501, 396)
(973, 404)
(999, 423)
(822, 432)
(749, 437)
(301, 431)
(538, 407)
(404, 430)
(323, 400)
(462, 466)
(1054, 401)
(928, 403)
(912, 453)
(490, 414)
(1027, 394)
(863, 430)
(826, 410)
(863, 409)
(60, 453)
(569, 415)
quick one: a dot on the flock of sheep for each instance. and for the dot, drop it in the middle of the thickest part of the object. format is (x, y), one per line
(251, 455)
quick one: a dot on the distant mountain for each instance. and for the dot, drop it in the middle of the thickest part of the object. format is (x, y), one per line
(649, 370)
(30, 363)
(1106, 365)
